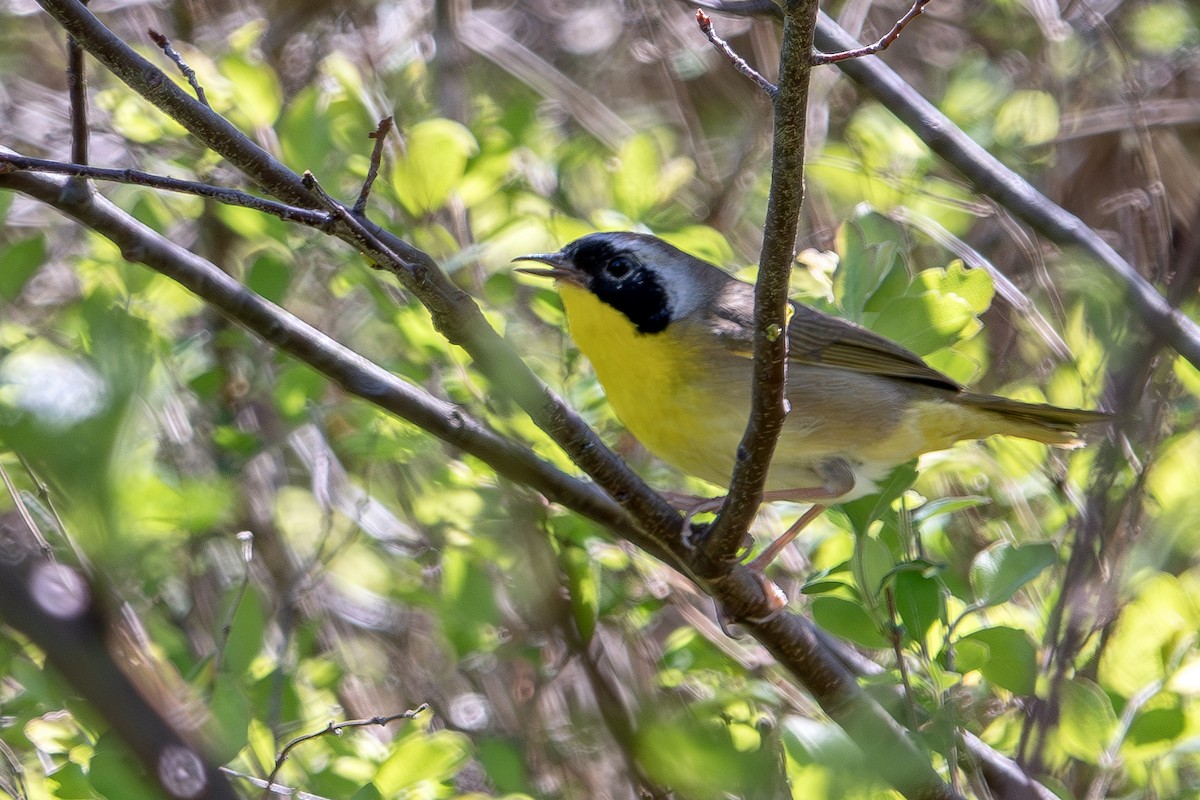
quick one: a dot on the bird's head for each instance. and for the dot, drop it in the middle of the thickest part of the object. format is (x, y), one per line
(649, 281)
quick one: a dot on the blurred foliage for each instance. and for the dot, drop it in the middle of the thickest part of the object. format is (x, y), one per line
(383, 570)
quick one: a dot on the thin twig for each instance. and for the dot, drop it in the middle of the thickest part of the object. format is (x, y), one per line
(884, 42)
(26, 517)
(362, 236)
(164, 44)
(706, 27)
(335, 728)
(277, 788)
(316, 219)
(896, 637)
(246, 539)
(77, 93)
(379, 134)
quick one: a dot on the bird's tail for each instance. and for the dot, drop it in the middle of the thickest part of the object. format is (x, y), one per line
(1040, 422)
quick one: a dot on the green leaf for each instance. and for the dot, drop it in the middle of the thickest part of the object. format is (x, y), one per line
(925, 322)
(973, 286)
(865, 510)
(252, 225)
(298, 385)
(367, 792)
(304, 132)
(1027, 118)
(420, 757)
(1163, 28)
(505, 764)
(1158, 725)
(873, 562)
(1087, 720)
(245, 634)
(918, 601)
(1149, 630)
(699, 760)
(635, 184)
(1011, 661)
(18, 262)
(469, 605)
(848, 620)
(69, 783)
(948, 505)
(1001, 571)
(868, 255)
(255, 92)
(969, 655)
(115, 773)
(269, 276)
(822, 586)
(583, 583)
(231, 712)
(435, 160)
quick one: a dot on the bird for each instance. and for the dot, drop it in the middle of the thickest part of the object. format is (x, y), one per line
(671, 340)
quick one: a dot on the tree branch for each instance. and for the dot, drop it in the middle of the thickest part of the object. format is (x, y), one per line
(1010, 190)
(351, 371)
(454, 313)
(772, 290)
(54, 607)
(739, 63)
(320, 220)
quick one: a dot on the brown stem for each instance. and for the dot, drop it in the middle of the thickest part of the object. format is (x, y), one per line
(771, 292)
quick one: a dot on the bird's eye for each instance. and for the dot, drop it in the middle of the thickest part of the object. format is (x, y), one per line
(619, 267)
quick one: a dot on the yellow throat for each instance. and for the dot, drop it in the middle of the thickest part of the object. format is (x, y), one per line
(659, 386)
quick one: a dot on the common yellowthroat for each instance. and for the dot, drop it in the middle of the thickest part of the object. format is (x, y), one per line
(671, 340)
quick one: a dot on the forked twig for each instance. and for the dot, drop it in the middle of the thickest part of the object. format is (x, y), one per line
(706, 27)
(335, 728)
(164, 44)
(884, 42)
(379, 134)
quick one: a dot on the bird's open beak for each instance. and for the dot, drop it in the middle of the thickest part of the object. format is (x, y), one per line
(561, 268)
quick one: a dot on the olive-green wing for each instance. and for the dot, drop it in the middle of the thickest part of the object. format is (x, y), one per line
(818, 339)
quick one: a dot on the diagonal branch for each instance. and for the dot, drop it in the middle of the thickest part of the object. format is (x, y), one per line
(60, 612)
(1010, 190)
(454, 313)
(351, 371)
(10, 161)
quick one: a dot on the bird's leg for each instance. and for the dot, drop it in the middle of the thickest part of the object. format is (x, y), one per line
(691, 505)
(765, 558)
(838, 481)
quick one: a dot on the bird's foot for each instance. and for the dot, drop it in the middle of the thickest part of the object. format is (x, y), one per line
(691, 505)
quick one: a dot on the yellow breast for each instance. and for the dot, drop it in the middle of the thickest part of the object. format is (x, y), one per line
(660, 389)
